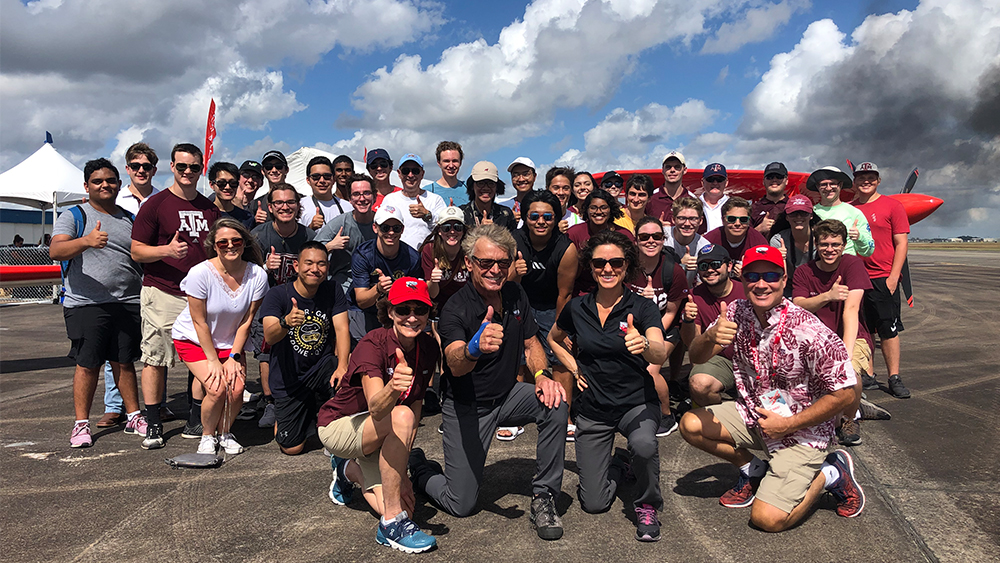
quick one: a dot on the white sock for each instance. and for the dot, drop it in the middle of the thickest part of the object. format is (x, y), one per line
(754, 468)
(132, 415)
(84, 421)
(397, 518)
(831, 473)
(857, 415)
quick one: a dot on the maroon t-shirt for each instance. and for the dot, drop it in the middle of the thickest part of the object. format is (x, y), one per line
(579, 235)
(752, 239)
(660, 202)
(810, 281)
(375, 356)
(764, 207)
(452, 280)
(159, 218)
(709, 308)
(677, 292)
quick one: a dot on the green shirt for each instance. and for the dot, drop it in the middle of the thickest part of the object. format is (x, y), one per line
(848, 215)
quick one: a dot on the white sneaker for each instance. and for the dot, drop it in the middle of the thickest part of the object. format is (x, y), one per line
(228, 442)
(207, 445)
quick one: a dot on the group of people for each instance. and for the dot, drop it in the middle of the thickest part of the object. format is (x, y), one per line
(571, 307)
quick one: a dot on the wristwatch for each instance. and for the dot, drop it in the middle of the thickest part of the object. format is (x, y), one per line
(646, 342)
(284, 324)
(236, 356)
(428, 216)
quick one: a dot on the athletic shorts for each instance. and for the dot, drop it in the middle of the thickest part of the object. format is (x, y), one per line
(672, 336)
(790, 470)
(106, 332)
(261, 349)
(295, 412)
(192, 352)
(159, 311)
(720, 368)
(882, 309)
(343, 438)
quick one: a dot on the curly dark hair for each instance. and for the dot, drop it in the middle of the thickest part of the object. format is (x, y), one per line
(598, 193)
(628, 248)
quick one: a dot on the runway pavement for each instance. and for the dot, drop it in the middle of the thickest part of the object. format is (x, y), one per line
(930, 473)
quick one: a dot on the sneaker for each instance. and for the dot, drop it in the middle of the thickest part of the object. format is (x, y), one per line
(432, 405)
(208, 445)
(341, 488)
(80, 438)
(544, 517)
(404, 534)
(647, 527)
(897, 389)
(868, 382)
(850, 497)
(668, 424)
(871, 411)
(228, 442)
(267, 419)
(743, 493)
(192, 432)
(571, 432)
(154, 437)
(137, 425)
(850, 432)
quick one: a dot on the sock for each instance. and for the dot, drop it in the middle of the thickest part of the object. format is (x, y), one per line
(132, 415)
(397, 518)
(194, 415)
(832, 475)
(754, 468)
(153, 414)
(79, 422)
(857, 415)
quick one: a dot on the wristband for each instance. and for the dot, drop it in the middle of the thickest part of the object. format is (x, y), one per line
(685, 321)
(546, 372)
(472, 348)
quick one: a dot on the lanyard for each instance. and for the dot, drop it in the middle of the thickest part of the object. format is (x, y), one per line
(773, 368)
(416, 363)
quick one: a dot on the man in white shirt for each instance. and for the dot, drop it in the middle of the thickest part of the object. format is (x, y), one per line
(420, 207)
(323, 204)
(713, 182)
(140, 163)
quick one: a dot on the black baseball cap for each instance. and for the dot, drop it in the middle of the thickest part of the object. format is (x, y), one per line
(275, 154)
(776, 168)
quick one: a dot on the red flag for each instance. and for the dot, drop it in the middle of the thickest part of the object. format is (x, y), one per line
(209, 136)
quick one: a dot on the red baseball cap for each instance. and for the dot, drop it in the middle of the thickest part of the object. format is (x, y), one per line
(765, 253)
(409, 289)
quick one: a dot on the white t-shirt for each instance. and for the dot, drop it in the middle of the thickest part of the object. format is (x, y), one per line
(225, 308)
(330, 208)
(129, 202)
(415, 230)
(696, 243)
(713, 215)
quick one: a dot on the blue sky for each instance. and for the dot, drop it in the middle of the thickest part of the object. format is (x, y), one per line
(599, 84)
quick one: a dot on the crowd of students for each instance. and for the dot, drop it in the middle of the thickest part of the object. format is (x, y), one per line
(369, 305)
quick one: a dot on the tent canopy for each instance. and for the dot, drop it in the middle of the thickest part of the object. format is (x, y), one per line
(42, 178)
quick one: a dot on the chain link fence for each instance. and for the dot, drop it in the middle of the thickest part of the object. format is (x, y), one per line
(27, 256)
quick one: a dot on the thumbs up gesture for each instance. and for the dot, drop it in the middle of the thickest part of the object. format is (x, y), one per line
(781, 247)
(853, 233)
(437, 274)
(635, 342)
(723, 331)
(485, 220)
(451, 202)
(417, 210)
(176, 248)
(839, 291)
(520, 265)
(97, 238)
(339, 241)
(296, 317)
(260, 215)
(384, 282)
(648, 292)
(765, 224)
(690, 309)
(488, 338)
(273, 261)
(317, 221)
(689, 261)
(402, 375)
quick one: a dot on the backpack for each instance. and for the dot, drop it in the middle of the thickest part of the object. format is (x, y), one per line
(80, 221)
(670, 258)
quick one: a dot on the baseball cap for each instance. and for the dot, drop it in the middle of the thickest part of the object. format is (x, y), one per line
(253, 167)
(386, 212)
(776, 168)
(409, 289)
(798, 202)
(275, 154)
(409, 157)
(485, 170)
(763, 253)
(674, 154)
(714, 169)
(711, 252)
(521, 160)
(866, 167)
(828, 173)
(611, 175)
(376, 154)
(451, 213)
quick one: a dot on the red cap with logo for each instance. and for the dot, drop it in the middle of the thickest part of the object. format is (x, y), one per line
(763, 252)
(409, 289)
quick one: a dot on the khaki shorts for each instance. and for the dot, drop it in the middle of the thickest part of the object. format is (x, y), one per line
(861, 358)
(790, 470)
(720, 368)
(159, 310)
(343, 438)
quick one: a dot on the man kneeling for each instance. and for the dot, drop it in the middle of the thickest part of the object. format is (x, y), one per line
(793, 377)
(369, 425)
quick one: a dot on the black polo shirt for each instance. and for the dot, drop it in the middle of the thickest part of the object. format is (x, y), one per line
(541, 281)
(617, 379)
(495, 374)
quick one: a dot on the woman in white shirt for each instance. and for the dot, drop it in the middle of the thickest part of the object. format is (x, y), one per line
(223, 295)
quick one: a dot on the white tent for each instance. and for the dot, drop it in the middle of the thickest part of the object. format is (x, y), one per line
(43, 180)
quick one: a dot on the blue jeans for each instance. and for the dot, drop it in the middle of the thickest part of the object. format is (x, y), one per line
(112, 397)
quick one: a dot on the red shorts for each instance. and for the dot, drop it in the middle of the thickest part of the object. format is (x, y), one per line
(190, 352)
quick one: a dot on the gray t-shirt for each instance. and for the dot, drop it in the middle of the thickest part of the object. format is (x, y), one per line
(340, 260)
(106, 275)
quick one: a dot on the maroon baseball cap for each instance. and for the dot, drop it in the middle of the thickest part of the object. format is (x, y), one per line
(798, 202)
(409, 289)
(765, 253)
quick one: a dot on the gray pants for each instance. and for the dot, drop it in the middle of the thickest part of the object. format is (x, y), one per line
(468, 431)
(594, 443)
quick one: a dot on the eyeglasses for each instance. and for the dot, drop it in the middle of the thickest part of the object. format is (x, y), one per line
(285, 203)
(390, 228)
(452, 228)
(221, 184)
(600, 263)
(545, 216)
(273, 165)
(317, 176)
(379, 164)
(410, 171)
(617, 183)
(710, 265)
(754, 277)
(522, 174)
(183, 167)
(486, 264)
(829, 184)
(361, 194)
(734, 218)
(643, 237)
(417, 310)
(252, 177)
(232, 242)
(774, 177)
(686, 219)
(601, 209)
(673, 167)
(135, 166)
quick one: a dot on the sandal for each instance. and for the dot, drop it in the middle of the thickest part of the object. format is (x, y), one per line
(509, 433)
(570, 432)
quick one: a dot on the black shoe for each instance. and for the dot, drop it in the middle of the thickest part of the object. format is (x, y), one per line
(432, 405)
(668, 423)
(647, 526)
(154, 437)
(897, 389)
(192, 432)
(868, 382)
(544, 517)
(850, 433)
(421, 468)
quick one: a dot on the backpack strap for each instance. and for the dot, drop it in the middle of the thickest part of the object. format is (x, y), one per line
(669, 259)
(80, 222)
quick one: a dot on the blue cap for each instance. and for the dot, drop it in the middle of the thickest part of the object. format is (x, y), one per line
(376, 154)
(715, 169)
(411, 157)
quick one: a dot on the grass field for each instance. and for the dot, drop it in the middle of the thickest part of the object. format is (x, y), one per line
(979, 246)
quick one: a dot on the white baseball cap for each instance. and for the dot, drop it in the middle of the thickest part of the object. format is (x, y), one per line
(386, 212)
(521, 160)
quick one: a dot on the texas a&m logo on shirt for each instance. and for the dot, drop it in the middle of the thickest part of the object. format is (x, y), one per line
(193, 223)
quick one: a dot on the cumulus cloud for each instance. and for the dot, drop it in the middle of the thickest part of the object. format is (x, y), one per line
(758, 23)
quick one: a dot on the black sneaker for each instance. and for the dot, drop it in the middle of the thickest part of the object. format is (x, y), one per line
(868, 382)
(192, 432)
(154, 437)
(897, 389)
(850, 433)
(544, 517)
(421, 468)
(647, 526)
(668, 423)
(432, 405)
(871, 411)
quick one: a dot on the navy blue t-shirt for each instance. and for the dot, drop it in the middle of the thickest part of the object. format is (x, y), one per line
(366, 259)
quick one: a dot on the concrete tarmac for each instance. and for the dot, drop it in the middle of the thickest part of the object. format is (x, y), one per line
(929, 473)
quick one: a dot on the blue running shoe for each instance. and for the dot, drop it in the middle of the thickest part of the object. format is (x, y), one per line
(341, 488)
(404, 535)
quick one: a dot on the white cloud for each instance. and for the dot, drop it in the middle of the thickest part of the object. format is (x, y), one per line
(757, 24)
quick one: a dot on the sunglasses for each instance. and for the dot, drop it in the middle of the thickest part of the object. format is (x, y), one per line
(183, 167)
(273, 165)
(225, 243)
(673, 167)
(799, 215)
(774, 177)
(135, 166)
(710, 265)
(410, 171)
(612, 183)
(600, 263)
(417, 310)
(486, 264)
(317, 176)
(221, 184)
(734, 218)
(716, 179)
(451, 228)
(379, 164)
(391, 229)
(102, 181)
(754, 277)
(536, 216)
(643, 237)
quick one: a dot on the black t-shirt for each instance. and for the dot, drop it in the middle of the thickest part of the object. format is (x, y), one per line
(366, 259)
(617, 379)
(304, 346)
(285, 247)
(495, 374)
(541, 281)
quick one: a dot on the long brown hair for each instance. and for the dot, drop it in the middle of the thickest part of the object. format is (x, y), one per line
(251, 250)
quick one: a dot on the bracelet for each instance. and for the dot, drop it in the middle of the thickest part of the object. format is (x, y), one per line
(685, 321)
(545, 371)
(646, 342)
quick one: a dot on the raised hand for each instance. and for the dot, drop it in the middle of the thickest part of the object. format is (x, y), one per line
(690, 309)
(177, 248)
(635, 342)
(723, 331)
(689, 261)
(261, 215)
(273, 261)
(402, 375)
(663, 219)
(781, 247)
(437, 274)
(853, 233)
(488, 338)
(317, 221)
(417, 210)
(97, 238)
(339, 241)
(839, 291)
(520, 265)
(295, 317)
(648, 292)
(563, 226)
(384, 281)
